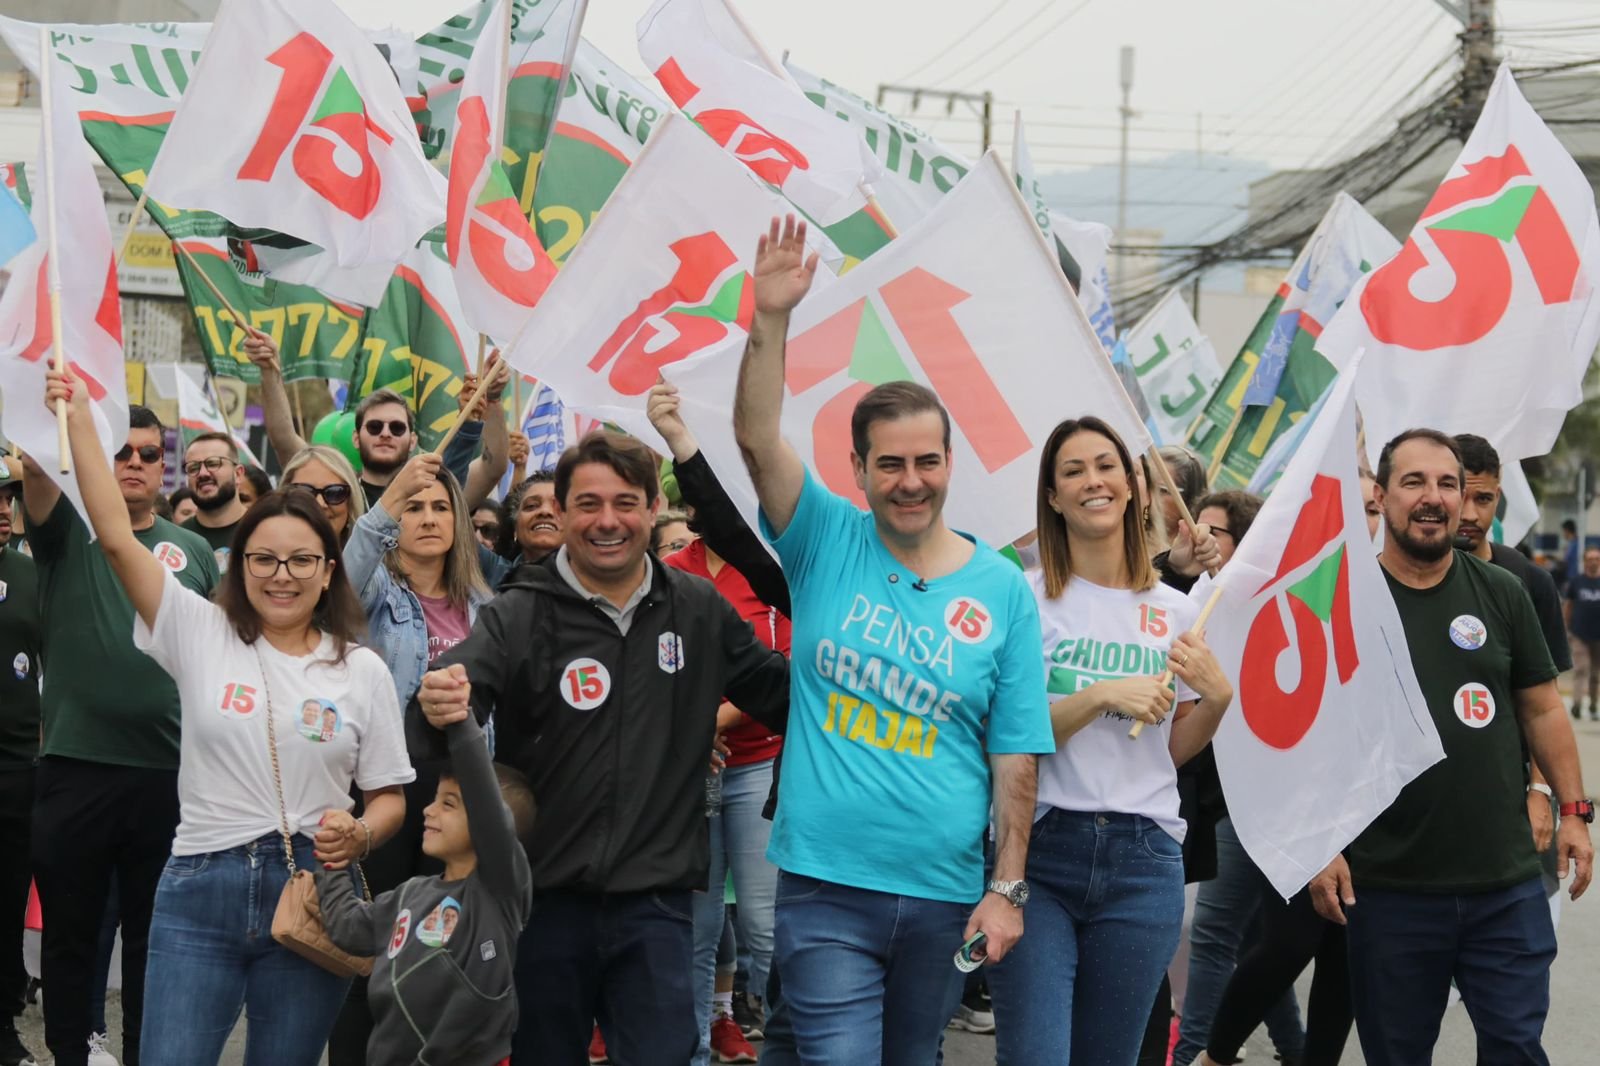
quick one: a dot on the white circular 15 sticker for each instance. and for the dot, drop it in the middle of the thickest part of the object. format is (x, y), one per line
(968, 620)
(585, 684)
(1468, 632)
(1474, 705)
(171, 556)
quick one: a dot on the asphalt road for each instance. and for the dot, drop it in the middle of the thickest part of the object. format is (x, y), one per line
(1572, 1033)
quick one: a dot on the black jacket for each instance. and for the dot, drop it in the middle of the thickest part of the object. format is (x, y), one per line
(620, 786)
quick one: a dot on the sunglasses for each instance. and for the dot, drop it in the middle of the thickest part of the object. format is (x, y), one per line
(149, 454)
(486, 529)
(332, 495)
(397, 428)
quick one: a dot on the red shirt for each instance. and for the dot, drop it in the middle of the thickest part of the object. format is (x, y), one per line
(748, 741)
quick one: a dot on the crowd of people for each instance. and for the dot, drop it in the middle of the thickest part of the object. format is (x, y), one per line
(527, 746)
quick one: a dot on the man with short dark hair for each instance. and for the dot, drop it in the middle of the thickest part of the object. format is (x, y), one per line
(21, 634)
(211, 465)
(918, 701)
(107, 799)
(1445, 884)
(604, 670)
(1582, 614)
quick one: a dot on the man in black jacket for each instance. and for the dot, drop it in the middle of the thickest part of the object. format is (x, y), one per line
(604, 671)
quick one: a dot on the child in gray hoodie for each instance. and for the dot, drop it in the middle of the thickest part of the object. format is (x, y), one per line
(441, 989)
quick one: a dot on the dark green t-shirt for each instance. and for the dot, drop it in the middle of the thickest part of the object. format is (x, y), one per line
(219, 537)
(20, 637)
(104, 701)
(1462, 825)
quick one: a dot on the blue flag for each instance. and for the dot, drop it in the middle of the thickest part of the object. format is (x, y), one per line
(16, 228)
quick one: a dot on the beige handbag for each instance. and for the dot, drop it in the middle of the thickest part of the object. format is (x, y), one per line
(297, 923)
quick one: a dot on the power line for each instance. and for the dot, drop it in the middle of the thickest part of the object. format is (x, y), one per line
(1030, 44)
(960, 40)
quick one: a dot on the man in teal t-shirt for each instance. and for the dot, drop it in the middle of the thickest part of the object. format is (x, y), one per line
(917, 698)
(108, 773)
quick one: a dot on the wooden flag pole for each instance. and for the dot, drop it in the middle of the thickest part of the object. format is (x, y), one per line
(1199, 631)
(238, 319)
(516, 403)
(58, 356)
(1163, 473)
(461, 415)
(483, 344)
(133, 222)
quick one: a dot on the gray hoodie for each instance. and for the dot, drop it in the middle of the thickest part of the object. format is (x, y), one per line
(441, 990)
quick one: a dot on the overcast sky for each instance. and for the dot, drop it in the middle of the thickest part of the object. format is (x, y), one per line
(1288, 81)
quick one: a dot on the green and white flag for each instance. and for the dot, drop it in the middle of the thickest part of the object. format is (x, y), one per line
(1027, 182)
(1174, 363)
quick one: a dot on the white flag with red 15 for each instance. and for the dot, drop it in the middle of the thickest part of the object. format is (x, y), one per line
(294, 122)
(86, 278)
(1487, 319)
(959, 304)
(501, 269)
(711, 67)
(660, 275)
(1328, 722)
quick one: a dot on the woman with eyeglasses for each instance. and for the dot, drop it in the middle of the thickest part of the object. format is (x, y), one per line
(1105, 858)
(413, 559)
(326, 474)
(281, 632)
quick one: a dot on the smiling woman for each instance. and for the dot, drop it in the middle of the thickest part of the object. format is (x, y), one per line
(285, 623)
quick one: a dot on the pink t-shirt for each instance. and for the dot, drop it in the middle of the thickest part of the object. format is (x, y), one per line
(447, 624)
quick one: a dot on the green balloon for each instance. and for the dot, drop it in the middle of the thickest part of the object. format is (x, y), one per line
(337, 429)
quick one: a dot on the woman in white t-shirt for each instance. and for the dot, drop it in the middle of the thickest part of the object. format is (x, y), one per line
(1105, 860)
(280, 637)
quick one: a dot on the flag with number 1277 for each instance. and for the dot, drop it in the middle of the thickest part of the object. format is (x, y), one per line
(294, 122)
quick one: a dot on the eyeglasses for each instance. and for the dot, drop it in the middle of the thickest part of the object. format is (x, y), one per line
(212, 464)
(487, 529)
(673, 546)
(397, 428)
(264, 565)
(332, 495)
(149, 454)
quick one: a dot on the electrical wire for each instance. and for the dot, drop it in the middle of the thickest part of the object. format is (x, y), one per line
(963, 38)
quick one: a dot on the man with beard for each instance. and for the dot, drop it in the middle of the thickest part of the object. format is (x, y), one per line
(21, 633)
(1480, 501)
(1445, 883)
(211, 464)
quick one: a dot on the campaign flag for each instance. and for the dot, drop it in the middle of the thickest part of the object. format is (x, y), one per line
(1027, 181)
(1087, 245)
(543, 35)
(661, 275)
(68, 203)
(1487, 319)
(1328, 723)
(197, 412)
(957, 304)
(501, 270)
(1123, 366)
(1229, 434)
(545, 428)
(293, 121)
(1174, 363)
(16, 228)
(710, 66)
(1519, 509)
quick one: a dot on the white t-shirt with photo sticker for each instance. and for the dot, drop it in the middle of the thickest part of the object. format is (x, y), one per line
(334, 722)
(1093, 633)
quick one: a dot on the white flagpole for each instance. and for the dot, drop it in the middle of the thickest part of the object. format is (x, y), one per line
(58, 356)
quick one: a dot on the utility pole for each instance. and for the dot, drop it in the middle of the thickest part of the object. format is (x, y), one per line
(1122, 169)
(981, 103)
(1478, 59)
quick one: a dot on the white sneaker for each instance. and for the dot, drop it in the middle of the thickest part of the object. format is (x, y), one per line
(972, 1020)
(98, 1054)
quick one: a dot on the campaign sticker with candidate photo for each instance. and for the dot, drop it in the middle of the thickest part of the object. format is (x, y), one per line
(319, 720)
(1468, 632)
(440, 924)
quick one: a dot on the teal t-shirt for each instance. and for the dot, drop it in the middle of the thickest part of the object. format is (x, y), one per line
(899, 692)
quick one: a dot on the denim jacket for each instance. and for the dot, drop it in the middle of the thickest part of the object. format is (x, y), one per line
(396, 628)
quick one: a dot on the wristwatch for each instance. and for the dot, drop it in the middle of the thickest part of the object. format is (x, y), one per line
(1016, 892)
(1582, 809)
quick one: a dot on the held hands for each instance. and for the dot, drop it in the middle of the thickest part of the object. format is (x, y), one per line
(783, 270)
(1194, 551)
(1144, 698)
(1572, 845)
(1191, 661)
(339, 840)
(662, 408)
(445, 696)
(260, 350)
(1332, 890)
(999, 921)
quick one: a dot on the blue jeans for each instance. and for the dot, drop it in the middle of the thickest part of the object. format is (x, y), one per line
(1405, 947)
(621, 959)
(1102, 923)
(867, 976)
(212, 953)
(1224, 912)
(738, 841)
